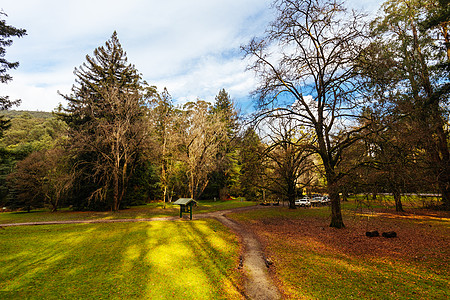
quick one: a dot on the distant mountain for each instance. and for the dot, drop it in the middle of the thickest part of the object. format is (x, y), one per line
(34, 114)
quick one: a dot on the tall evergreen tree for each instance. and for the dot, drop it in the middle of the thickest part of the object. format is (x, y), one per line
(251, 173)
(225, 106)
(108, 67)
(6, 32)
(104, 114)
(223, 178)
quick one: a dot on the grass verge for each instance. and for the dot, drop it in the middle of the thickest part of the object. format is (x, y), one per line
(151, 260)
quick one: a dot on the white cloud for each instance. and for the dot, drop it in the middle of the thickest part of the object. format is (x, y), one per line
(176, 43)
(190, 47)
(39, 91)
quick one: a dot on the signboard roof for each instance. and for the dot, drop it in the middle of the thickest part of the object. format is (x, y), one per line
(184, 201)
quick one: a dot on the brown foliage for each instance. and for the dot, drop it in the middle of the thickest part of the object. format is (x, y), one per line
(42, 178)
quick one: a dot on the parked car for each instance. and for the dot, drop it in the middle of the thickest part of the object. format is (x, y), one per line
(325, 200)
(315, 201)
(303, 202)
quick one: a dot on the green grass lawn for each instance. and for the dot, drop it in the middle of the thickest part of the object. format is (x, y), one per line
(150, 210)
(387, 201)
(314, 261)
(198, 259)
(148, 260)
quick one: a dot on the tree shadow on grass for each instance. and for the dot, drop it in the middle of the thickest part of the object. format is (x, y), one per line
(122, 260)
(187, 263)
(34, 257)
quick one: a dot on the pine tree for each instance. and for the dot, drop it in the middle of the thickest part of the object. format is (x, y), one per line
(6, 32)
(225, 106)
(108, 67)
(105, 117)
(222, 179)
(251, 165)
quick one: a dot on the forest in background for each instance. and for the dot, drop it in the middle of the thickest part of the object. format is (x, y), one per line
(343, 105)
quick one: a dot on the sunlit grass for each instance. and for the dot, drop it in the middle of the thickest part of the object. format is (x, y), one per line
(151, 210)
(387, 201)
(211, 206)
(151, 260)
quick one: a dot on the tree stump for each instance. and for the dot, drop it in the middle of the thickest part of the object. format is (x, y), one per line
(372, 233)
(389, 234)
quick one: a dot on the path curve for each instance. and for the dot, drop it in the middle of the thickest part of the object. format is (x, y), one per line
(258, 285)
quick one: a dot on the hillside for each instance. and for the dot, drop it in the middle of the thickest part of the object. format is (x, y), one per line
(35, 129)
(12, 114)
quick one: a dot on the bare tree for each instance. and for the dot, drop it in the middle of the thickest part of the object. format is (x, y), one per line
(306, 57)
(42, 178)
(164, 118)
(117, 142)
(201, 135)
(287, 157)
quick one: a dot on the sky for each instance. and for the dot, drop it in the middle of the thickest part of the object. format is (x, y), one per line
(190, 47)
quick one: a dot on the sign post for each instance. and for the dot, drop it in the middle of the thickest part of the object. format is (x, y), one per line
(186, 205)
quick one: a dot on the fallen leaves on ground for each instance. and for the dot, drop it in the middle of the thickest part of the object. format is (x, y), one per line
(417, 237)
(423, 239)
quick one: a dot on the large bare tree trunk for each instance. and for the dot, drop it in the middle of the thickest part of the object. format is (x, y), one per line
(291, 197)
(398, 201)
(336, 214)
(116, 192)
(443, 171)
(332, 185)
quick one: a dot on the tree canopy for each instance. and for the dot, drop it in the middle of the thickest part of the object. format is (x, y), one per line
(411, 79)
(343, 105)
(105, 117)
(316, 42)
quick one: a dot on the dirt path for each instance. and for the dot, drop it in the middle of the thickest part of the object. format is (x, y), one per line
(90, 221)
(258, 285)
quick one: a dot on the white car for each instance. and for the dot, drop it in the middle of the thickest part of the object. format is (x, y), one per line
(303, 202)
(316, 200)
